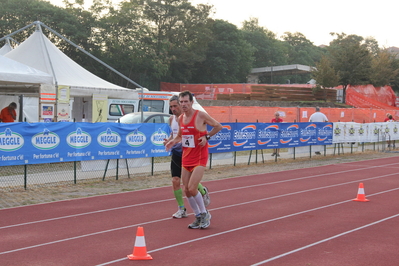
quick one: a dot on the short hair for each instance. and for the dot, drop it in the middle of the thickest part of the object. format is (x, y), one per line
(390, 117)
(174, 98)
(317, 109)
(187, 93)
(13, 105)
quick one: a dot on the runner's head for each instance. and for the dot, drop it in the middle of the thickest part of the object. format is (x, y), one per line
(186, 100)
(174, 105)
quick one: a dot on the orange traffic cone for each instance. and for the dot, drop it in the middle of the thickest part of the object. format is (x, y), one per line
(139, 250)
(360, 194)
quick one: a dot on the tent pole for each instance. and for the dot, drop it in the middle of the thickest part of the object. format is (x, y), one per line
(15, 32)
(92, 56)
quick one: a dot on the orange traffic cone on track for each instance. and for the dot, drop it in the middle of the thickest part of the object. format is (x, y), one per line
(360, 194)
(139, 250)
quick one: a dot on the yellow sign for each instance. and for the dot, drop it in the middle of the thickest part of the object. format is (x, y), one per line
(100, 103)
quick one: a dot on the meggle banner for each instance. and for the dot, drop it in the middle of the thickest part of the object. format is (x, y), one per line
(36, 143)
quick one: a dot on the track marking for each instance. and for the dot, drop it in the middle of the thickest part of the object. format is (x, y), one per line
(165, 219)
(237, 188)
(260, 223)
(325, 240)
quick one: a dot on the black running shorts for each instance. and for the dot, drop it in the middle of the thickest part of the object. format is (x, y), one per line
(175, 165)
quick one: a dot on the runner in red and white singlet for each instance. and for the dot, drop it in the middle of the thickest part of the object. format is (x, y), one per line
(193, 154)
(194, 138)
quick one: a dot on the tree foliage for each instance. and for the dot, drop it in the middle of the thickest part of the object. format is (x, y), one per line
(229, 56)
(174, 41)
(351, 58)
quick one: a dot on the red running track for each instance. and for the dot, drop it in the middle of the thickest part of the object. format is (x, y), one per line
(296, 217)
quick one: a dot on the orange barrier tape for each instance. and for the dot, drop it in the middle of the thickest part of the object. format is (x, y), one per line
(244, 114)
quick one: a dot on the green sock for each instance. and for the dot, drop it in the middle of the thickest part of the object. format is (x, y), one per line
(179, 197)
(201, 189)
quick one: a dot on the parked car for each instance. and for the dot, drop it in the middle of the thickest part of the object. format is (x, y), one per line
(148, 117)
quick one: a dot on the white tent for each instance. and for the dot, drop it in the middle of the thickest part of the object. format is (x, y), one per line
(5, 49)
(40, 53)
(15, 73)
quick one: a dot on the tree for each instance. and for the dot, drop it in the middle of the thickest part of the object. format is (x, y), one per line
(383, 69)
(302, 51)
(74, 24)
(268, 50)
(350, 57)
(324, 74)
(155, 40)
(229, 57)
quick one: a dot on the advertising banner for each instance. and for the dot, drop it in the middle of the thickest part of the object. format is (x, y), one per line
(221, 142)
(244, 136)
(36, 143)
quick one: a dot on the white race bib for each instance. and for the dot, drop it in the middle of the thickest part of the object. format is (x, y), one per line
(188, 141)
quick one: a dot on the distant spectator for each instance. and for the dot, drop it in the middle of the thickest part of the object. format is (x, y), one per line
(390, 119)
(387, 117)
(318, 117)
(8, 114)
(276, 119)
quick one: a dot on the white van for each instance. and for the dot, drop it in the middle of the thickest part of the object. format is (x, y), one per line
(154, 101)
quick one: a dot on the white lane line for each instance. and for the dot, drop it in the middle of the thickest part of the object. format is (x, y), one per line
(255, 224)
(231, 189)
(165, 219)
(325, 240)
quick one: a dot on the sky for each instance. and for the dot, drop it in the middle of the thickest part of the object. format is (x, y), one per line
(313, 18)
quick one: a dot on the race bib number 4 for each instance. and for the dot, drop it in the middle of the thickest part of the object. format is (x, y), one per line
(188, 141)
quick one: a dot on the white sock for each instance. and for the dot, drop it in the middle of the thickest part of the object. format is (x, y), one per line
(193, 205)
(200, 202)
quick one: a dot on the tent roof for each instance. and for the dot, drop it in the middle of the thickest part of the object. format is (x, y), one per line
(5, 49)
(39, 52)
(15, 73)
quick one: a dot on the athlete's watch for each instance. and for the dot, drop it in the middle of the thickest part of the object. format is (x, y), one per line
(207, 136)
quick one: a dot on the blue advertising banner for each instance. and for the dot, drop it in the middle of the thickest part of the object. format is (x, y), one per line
(325, 133)
(221, 142)
(268, 136)
(289, 135)
(24, 143)
(244, 136)
(36, 143)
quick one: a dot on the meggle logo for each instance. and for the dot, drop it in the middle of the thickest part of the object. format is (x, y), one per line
(158, 137)
(45, 140)
(78, 139)
(136, 138)
(242, 136)
(10, 141)
(108, 138)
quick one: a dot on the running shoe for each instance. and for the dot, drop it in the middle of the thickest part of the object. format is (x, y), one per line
(181, 213)
(196, 223)
(206, 197)
(205, 220)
